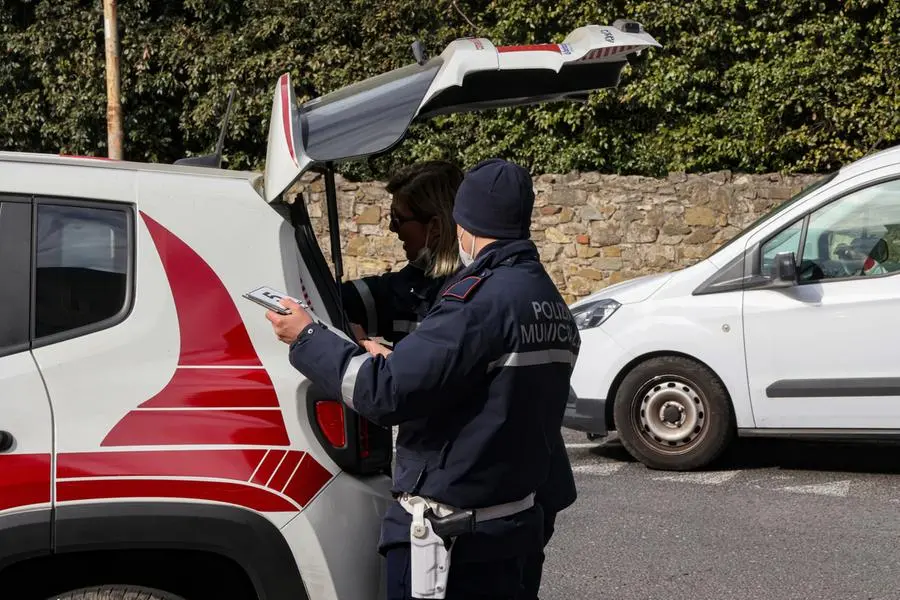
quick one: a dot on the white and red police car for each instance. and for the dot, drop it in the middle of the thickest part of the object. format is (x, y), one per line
(154, 438)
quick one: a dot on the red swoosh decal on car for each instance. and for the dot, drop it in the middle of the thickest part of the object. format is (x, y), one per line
(218, 395)
(212, 336)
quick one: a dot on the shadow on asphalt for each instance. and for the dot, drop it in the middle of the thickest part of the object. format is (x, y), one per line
(613, 451)
(854, 457)
(851, 457)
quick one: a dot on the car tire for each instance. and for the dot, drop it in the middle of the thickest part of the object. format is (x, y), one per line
(116, 592)
(673, 413)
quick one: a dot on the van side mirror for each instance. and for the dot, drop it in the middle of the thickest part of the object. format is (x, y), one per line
(784, 270)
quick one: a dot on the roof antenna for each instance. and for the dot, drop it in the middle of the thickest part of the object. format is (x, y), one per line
(221, 143)
(418, 52)
(212, 160)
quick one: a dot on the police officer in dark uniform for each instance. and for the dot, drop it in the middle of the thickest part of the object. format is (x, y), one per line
(392, 305)
(478, 392)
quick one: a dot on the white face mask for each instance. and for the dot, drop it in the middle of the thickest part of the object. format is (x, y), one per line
(467, 258)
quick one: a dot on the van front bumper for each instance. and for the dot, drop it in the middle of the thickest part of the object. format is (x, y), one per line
(585, 414)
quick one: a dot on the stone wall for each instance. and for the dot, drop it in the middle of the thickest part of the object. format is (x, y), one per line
(592, 230)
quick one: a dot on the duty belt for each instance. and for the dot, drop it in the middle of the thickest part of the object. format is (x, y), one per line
(449, 522)
(432, 531)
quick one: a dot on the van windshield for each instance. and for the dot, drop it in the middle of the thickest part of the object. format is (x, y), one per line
(778, 209)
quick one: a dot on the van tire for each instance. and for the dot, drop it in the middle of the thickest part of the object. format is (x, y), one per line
(116, 592)
(673, 413)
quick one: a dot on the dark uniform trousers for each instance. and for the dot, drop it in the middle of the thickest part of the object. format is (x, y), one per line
(478, 392)
(485, 580)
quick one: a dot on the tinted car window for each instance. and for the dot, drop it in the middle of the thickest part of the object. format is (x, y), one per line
(81, 265)
(15, 282)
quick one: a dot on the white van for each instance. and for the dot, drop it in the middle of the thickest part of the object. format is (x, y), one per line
(786, 330)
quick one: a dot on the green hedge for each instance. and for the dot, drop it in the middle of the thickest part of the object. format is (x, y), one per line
(797, 85)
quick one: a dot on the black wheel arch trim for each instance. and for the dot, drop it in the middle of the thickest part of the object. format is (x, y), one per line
(246, 537)
(25, 535)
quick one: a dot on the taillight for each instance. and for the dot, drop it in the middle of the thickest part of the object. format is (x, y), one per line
(330, 417)
(357, 445)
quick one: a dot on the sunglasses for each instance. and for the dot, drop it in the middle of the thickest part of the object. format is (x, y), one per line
(398, 220)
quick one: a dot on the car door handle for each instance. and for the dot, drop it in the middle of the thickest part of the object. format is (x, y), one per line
(6, 441)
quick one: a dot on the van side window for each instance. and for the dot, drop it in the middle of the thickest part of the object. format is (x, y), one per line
(15, 268)
(857, 235)
(81, 266)
(786, 240)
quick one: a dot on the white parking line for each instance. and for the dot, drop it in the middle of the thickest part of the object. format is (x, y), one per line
(574, 446)
(711, 478)
(598, 469)
(832, 488)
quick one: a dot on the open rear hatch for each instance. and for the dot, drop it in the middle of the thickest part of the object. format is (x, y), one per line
(371, 117)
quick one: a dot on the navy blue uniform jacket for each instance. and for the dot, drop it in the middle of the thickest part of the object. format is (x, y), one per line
(478, 392)
(392, 305)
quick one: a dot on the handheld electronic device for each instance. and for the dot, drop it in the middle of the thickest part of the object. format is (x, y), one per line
(268, 298)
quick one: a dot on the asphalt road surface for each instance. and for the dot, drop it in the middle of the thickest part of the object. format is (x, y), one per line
(777, 520)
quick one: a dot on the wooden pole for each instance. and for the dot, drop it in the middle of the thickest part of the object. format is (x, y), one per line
(113, 103)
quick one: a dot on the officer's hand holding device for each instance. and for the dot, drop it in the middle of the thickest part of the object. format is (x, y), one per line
(288, 326)
(288, 315)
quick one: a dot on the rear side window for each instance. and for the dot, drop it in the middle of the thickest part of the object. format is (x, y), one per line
(82, 265)
(15, 271)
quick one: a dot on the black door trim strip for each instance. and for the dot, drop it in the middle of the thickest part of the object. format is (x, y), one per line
(834, 388)
(818, 434)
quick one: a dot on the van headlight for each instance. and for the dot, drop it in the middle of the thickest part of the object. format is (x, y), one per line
(594, 313)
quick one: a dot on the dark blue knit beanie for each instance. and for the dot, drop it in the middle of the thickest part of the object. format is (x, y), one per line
(495, 200)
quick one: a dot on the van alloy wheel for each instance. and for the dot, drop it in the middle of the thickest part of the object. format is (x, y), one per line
(673, 413)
